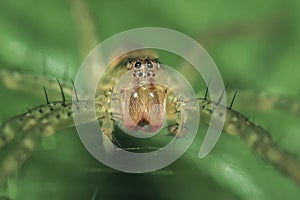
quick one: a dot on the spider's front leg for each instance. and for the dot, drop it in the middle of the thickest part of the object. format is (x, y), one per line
(29, 128)
(256, 137)
(106, 119)
(178, 109)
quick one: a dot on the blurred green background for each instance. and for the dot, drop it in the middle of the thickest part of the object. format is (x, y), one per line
(255, 45)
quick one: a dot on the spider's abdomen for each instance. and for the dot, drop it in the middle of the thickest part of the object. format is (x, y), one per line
(144, 108)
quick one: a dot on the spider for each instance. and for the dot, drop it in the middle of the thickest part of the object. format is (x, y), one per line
(136, 114)
(29, 128)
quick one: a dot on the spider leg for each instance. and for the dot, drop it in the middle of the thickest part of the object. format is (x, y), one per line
(23, 122)
(26, 82)
(256, 137)
(32, 127)
(177, 115)
(107, 120)
(263, 101)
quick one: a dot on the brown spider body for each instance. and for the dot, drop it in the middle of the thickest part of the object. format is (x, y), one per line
(145, 108)
(138, 102)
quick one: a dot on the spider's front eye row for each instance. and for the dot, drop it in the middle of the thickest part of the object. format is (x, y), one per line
(138, 64)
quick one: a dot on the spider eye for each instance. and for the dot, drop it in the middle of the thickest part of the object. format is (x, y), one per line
(138, 65)
(140, 74)
(149, 64)
(149, 73)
